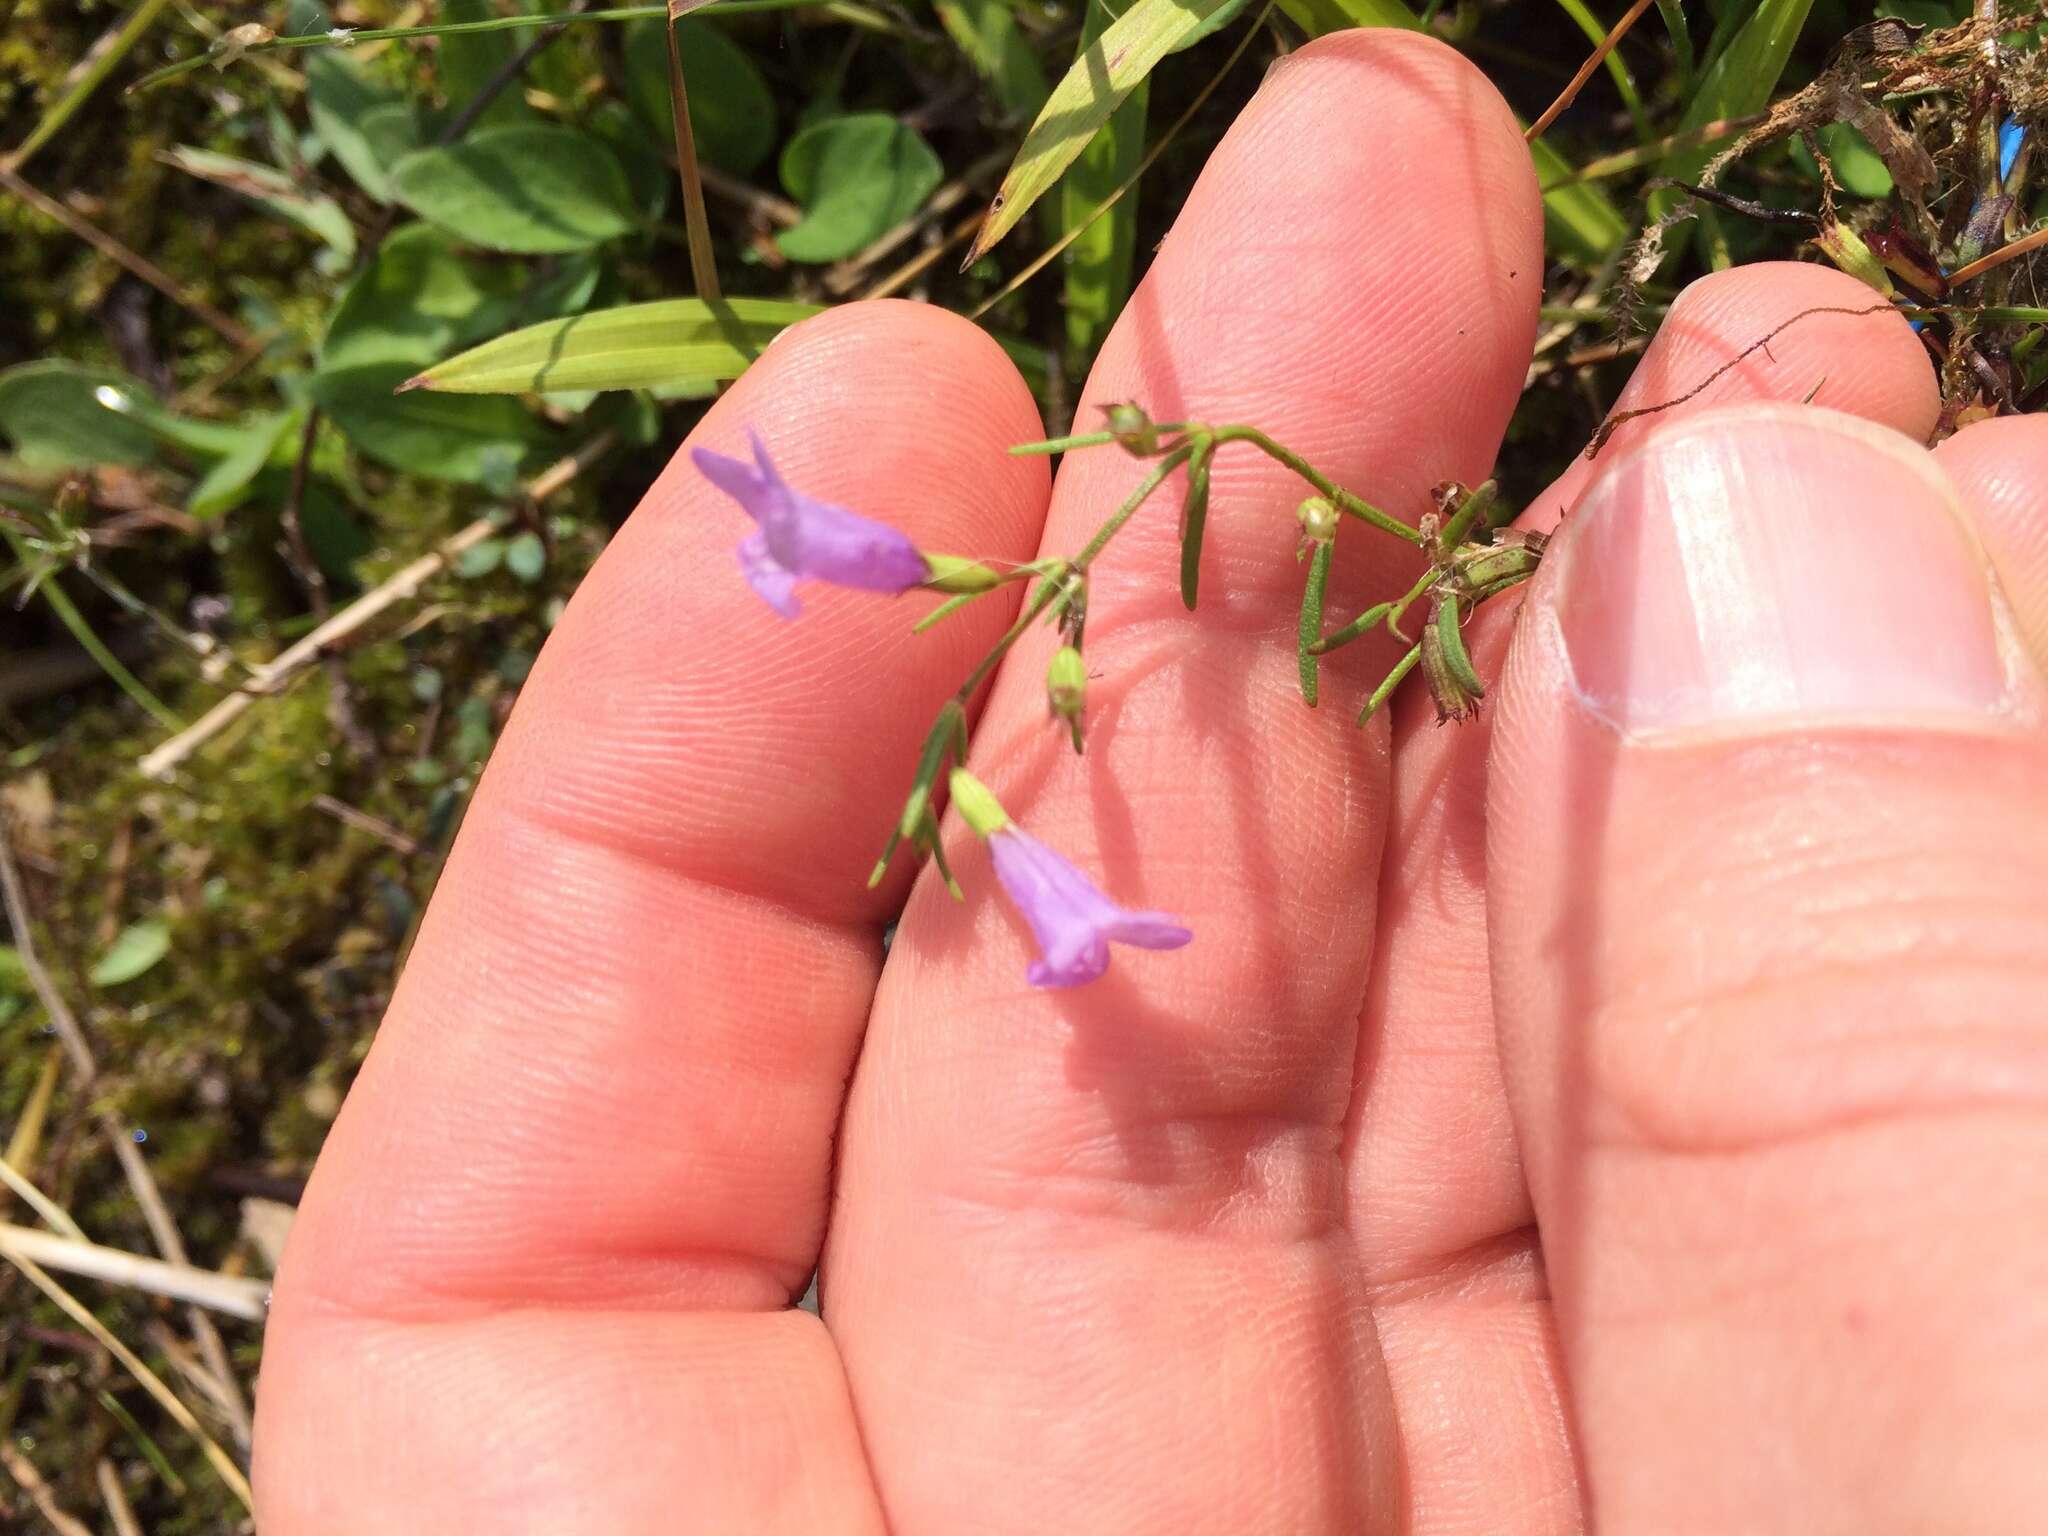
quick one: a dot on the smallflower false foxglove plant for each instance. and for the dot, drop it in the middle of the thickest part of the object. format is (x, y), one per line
(1469, 559)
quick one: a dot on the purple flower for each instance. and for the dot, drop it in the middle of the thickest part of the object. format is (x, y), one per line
(799, 537)
(1073, 921)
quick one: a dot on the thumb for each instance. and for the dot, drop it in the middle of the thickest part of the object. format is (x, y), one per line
(1768, 891)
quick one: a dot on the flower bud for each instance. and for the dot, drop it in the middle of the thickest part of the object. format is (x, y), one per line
(1135, 431)
(977, 807)
(955, 573)
(1846, 249)
(1318, 519)
(1066, 683)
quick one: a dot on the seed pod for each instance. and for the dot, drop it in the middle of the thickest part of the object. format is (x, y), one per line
(1446, 666)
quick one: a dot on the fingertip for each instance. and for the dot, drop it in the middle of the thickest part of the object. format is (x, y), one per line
(1787, 331)
(2001, 469)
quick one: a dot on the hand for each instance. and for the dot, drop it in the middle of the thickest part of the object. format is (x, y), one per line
(1628, 1107)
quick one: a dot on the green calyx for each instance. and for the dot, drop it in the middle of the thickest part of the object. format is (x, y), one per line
(977, 806)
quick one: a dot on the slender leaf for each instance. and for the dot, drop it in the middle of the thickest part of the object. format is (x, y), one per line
(1099, 262)
(229, 478)
(1742, 80)
(857, 177)
(134, 951)
(536, 190)
(987, 32)
(637, 346)
(1093, 87)
(272, 190)
(1319, 16)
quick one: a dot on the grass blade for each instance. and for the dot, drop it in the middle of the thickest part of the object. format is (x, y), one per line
(1092, 88)
(1739, 82)
(636, 346)
(1098, 269)
(986, 31)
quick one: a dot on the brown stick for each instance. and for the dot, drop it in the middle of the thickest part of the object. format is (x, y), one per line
(1578, 81)
(141, 266)
(347, 622)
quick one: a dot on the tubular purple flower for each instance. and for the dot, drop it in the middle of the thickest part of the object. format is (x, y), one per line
(1073, 922)
(798, 537)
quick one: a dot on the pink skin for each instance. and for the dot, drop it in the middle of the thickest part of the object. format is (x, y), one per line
(1603, 1112)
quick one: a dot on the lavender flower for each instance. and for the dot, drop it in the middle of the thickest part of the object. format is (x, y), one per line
(1073, 922)
(799, 537)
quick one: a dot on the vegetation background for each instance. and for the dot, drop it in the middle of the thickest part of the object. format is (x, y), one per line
(264, 617)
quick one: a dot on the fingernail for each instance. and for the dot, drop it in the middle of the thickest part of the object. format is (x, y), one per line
(1756, 564)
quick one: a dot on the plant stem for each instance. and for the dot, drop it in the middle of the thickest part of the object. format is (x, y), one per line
(1122, 514)
(1342, 499)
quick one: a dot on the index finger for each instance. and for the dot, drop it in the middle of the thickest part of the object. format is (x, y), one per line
(610, 1076)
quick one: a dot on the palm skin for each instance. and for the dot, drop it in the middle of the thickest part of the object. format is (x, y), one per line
(1492, 1160)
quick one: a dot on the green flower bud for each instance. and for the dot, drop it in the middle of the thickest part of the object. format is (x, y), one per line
(954, 573)
(1066, 683)
(1846, 249)
(977, 807)
(1318, 519)
(1135, 431)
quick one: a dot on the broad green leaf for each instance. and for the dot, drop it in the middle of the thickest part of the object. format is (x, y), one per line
(637, 346)
(228, 480)
(135, 949)
(478, 442)
(480, 559)
(857, 177)
(987, 32)
(469, 61)
(270, 189)
(55, 416)
(1860, 168)
(413, 303)
(526, 557)
(1098, 264)
(1578, 220)
(1092, 88)
(732, 111)
(1739, 82)
(366, 126)
(535, 190)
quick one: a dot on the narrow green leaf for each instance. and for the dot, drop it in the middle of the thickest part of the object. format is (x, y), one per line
(272, 190)
(478, 442)
(1099, 262)
(138, 947)
(533, 189)
(1740, 81)
(1093, 87)
(228, 480)
(1310, 630)
(732, 111)
(857, 177)
(1194, 518)
(56, 418)
(1319, 16)
(987, 32)
(637, 346)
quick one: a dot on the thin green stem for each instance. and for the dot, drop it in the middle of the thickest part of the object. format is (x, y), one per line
(1048, 589)
(1477, 501)
(343, 37)
(1402, 604)
(1381, 694)
(1342, 499)
(68, 614)
(1364, 623)
(1122, 514)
